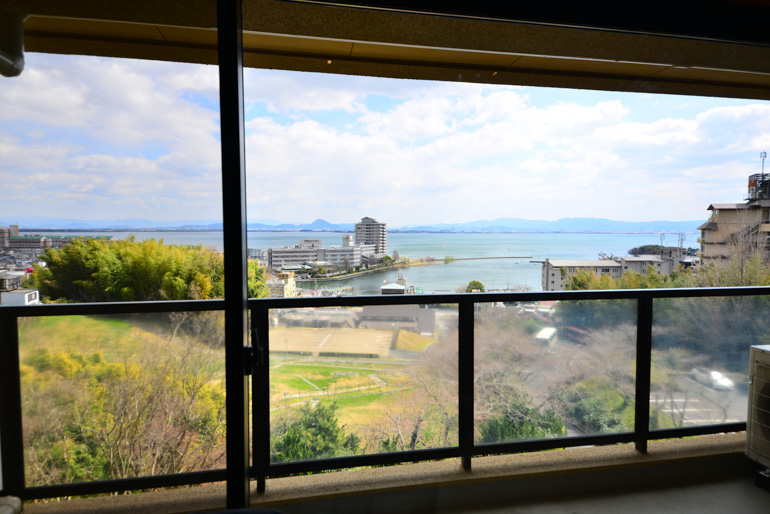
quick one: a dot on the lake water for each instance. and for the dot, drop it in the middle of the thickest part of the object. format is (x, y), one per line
(493, 273)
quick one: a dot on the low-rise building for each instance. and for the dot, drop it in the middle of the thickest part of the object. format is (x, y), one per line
(556, 273)
(399, 317)
(344, 257)
(20, 297)
(305, 251)
(642, 263)
(10, 281)
(284, 286)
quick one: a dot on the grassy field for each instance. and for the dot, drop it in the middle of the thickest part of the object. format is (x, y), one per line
(125, 339)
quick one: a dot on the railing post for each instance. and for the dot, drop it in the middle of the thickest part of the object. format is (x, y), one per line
(260, 395)
(643, 370)
(230, 49)
(465, 380)
(11, 435)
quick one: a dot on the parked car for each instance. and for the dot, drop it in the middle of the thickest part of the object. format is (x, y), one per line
(712, 378)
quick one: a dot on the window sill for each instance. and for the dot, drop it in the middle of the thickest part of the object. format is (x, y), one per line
(533, 472)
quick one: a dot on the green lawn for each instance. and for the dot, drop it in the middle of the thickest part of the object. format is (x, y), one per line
(118, 340)
(321, 375)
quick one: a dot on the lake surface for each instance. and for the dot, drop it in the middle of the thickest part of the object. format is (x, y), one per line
(493, 273)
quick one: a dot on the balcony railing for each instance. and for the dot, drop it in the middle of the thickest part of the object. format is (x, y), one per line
(641, 310)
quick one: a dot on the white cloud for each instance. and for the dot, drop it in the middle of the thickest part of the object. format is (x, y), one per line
(111, 138)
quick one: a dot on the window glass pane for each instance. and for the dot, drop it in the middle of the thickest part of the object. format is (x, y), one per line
(701, 358)
(100, 156)
(493, 180)
(554, 369)
(352, 381)
(108, 397)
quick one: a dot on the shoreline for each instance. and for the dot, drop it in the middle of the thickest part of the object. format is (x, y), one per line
(394, 231)
(369, 271)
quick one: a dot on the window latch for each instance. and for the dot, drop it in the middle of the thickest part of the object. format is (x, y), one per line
(252, 355)
(249, 360)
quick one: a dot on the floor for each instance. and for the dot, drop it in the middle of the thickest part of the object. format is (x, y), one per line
(737, 496)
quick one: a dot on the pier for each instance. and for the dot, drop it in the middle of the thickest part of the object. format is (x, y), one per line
(483, 258)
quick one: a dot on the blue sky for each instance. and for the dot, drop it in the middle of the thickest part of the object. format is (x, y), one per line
(94, 138)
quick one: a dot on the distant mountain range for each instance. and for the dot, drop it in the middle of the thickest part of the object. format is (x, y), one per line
(568, 225)
(564, 225)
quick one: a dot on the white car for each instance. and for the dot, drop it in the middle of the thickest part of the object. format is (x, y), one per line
(713, 379)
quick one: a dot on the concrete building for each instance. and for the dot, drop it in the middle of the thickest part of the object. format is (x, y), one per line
(349, 255)
(399, 317)
(738, 228)
(371, 232)
(343, 257)
(10, 281)
(556, 273)
(32, 244)
(6, 233)
(284, 286)
(642, 263)
(305, 251)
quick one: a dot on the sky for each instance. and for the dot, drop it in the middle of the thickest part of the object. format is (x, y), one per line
(96, 138)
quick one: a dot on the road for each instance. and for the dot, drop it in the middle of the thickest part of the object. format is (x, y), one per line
(696, 404)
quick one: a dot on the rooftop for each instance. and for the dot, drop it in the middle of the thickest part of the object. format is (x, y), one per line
(583, 263)
(644, 258)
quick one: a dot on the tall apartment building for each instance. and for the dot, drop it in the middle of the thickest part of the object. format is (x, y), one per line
(6, 233)
(371, 232)
(738, 228)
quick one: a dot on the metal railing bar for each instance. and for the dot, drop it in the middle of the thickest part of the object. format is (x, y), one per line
(465, 367)
(643, 372)
(535, 445)
(260, 392)
(65, 309)
(75, 309)
(123, 484)
(433, 299)
(10, 399)
(724, 428)
(356, 461)
(11, 431)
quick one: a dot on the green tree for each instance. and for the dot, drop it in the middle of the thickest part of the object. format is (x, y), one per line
(257, 284)
(474, 285)
(98, 270)
(316, 434)
(519, 420)
(89, 419)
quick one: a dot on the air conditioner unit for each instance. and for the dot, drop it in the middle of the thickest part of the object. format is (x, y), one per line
(758, 419)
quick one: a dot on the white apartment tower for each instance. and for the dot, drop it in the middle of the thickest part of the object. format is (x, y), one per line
(372, 232)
